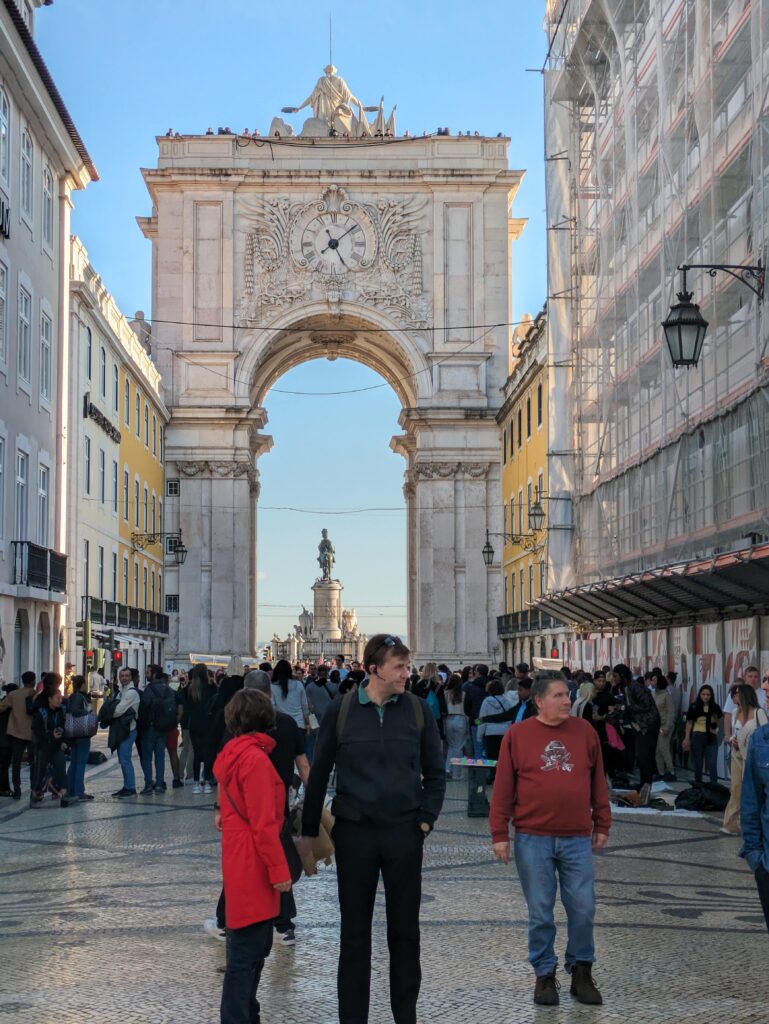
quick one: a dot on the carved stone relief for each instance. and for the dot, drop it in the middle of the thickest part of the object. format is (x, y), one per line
(449, 470)
(222, 471)
(334, 247)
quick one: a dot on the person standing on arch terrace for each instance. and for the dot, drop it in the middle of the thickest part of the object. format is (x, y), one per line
(550, 783)
(389, 792)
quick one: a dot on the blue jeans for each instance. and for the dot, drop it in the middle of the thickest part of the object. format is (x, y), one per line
(78, 759)
(153, 747)
(124, 752)
(538, 860)
(477, 743)
(247, 949)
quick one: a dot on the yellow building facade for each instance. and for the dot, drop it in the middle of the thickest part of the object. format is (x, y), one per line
(523, 422)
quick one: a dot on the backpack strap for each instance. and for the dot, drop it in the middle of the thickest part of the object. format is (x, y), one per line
(344, 711)
(419, 710)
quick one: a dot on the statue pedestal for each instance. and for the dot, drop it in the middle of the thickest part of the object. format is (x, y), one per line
(327, 616)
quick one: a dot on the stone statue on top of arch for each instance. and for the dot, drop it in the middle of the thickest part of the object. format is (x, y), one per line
(332, 104)
(326, 555)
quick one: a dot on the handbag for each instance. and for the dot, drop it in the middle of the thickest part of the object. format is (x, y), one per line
(81, 727)
(613, 738)
(286, 840)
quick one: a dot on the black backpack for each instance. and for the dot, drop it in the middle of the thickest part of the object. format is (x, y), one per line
(163, 712)
(703, 796)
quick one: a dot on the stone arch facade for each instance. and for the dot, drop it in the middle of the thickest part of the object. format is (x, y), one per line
(427, 307)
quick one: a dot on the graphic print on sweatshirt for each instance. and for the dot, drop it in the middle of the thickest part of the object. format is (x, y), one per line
(556, 758)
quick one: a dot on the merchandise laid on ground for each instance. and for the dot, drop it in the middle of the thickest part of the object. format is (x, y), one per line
(123, 927)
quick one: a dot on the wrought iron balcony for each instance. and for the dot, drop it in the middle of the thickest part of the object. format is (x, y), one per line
(530, 621)
(111, 613)
(36, 566)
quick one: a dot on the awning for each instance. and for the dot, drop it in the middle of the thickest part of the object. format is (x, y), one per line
(731, 585)
(124, 639)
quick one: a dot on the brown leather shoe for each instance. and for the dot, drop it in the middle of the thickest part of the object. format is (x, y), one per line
(546, 990)
(582, 984)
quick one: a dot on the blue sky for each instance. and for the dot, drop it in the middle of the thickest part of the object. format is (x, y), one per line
(130, 69)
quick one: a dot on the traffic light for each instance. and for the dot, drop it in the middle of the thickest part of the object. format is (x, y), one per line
(83, 633)
(117, 658)
(89, 660)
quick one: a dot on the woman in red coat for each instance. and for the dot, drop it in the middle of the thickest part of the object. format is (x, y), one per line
(252, 806)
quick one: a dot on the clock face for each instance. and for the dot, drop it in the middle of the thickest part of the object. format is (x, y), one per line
(335, 244)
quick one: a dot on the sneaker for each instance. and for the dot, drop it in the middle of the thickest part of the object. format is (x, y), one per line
(35, 801)
(16, 794)
(85, 796)
(189, 782)
(207, 788)
(728, 832)
(669, 777)
(120, 792)
(67, 801)
(161, 787)
(196, 788)
(583, 987)
(288, 938)
(546, 990)
(177, 784)
(211, 927)
(147, 791)
(124, 793)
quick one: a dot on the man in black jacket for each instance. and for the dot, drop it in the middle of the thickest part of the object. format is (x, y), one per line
(390, 788)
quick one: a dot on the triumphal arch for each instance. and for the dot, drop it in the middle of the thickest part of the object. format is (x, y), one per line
(349, 240)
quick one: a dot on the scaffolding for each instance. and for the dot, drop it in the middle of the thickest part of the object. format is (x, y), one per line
(657, 114)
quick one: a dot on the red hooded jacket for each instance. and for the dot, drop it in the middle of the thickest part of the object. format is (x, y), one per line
(252, 855)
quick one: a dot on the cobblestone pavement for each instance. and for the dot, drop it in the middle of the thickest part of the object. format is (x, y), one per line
(101, 908)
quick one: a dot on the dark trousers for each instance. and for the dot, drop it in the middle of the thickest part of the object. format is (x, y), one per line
(46, 754)
(762, 881)
(202, 753)
(247, 949)
(362, 852)
(5, 764)
(283, 921)
(704, 748)
(17, 752)
(153, 750)
(646, 754)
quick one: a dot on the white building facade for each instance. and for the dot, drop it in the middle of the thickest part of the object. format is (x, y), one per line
(656, 136)
(42, 160)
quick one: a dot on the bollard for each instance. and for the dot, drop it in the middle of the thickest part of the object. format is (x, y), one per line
(477, 804)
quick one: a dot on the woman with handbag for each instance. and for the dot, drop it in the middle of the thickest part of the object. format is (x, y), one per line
(79, 722)
(252, 800)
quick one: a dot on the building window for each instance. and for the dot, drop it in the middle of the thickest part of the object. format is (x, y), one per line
(2, 487)
(171, 543)
(3, 313)
(505, 593)
(146, 510)
(5, 136)
(87, 464)
(528, 416)
(540, 485)
(25, 334)
(162, 445)
(114, 486)
(520, 427)
(160, 514)
(43, 477)
(504, 446)
(86, 567)
(102, 477)
(512, 591)
(542, 577)
(125, 579)
(27, 164)
(144, 587)
(146, 425)
(46, 334)
(512, 515)
(114, 575)
(152, 591)
(100, 572)
(528, 498)
(102, 372)
(520, 512)
(154, 435)
(47, 207)
(136, 504)
(138, 413)
(523, 591)
(539, 405)
(512, 446)
(126, 494)
(172, 603)
(20, 509)
(172, 488)
(115, 389)
(88, 353)
(154, 517)
(127, 402)
(136, 584)
(160, 590)
(531, 583)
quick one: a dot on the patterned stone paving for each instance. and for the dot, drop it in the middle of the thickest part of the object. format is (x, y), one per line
(101, 908)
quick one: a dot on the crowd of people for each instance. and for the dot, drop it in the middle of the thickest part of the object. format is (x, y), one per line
(389, 737)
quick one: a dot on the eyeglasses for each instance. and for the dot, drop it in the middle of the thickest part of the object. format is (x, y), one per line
(389, 641)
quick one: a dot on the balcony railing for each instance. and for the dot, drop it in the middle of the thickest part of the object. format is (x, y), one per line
(36, 566)
(531, 621)
(111, 613)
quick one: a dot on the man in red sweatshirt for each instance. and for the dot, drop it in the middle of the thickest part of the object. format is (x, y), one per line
(550, 783)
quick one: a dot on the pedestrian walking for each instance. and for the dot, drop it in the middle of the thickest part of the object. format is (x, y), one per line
(254, 867)
(551, 785)
(475, 695)
(202, 696)
(6, 743)
(158, 714)
(18, 706)
(78, 706)
(320, 694)
(122, 733)
(754, 808)
(747, 718)
(700, 737)
(456, 724)
(389, 792)
(185, 750)
(48, 730)
(289, 695)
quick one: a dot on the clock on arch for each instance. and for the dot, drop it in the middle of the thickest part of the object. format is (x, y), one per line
(334, 242)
